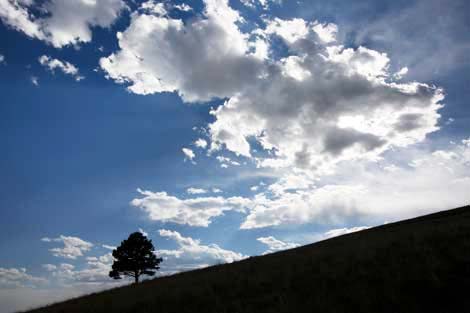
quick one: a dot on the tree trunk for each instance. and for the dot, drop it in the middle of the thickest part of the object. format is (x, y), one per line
(136, 278)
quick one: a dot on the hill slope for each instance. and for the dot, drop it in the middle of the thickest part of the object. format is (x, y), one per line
(417, 265)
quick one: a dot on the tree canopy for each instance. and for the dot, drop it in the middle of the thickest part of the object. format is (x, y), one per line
(135, 257)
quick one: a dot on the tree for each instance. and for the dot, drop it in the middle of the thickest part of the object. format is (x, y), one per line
(135, 257)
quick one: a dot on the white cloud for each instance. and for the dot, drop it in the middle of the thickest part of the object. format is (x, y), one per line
(264, 4)
(64, 66)
(276, 244)
(192, 254)
(95, 270)
(194, 212)
(214, 39)
(289, 30)
(227, 161)
(49, 267)
(343, 231)
(312, 110)
(342, 95)
(2, 58)
(369, 192)
(73, 246)
(109, 247)
(353, 112)
(143, 232)
(401, 73)
(216, 190)
(62, 22)
(201, 143)
(154, 7)
(189, 154)
(14, 14)
(196, 191)
(372, 193)
(17, 277)
(326, 32)
(34, 80)
(183, 7)
(466, 142)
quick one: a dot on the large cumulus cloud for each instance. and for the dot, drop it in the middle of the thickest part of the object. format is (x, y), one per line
(60, 22)
(294, 100)
(318, 104)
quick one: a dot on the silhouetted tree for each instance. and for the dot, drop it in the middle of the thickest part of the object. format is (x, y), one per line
(134, 257)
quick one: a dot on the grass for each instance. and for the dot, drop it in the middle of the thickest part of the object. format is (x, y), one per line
(417, 265)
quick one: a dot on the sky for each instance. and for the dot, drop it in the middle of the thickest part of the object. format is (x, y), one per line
(220, 129)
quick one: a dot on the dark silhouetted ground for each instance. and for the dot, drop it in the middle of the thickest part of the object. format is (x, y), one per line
(418, 265)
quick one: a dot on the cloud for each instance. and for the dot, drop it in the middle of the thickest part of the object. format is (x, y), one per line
(343, 231)
(401, 73)
(369, 193)
(353, 112)
(192, 254)
(345, 96)
(64, 66)
(16, 15)
(143, 232)
(197, 211)
(264, 4)
(154, 7)
(2, 58)
(326, 32)
(109, 247)
(49, 267)
(200, 143)
(18, 277)
(34, 80)
(73, 246)
(224, 62)
(422, 181)
(189, 154)
(95, 270)
(225, 161)
(60, 22)
(275, 244)
(196, 191)
(183, 7)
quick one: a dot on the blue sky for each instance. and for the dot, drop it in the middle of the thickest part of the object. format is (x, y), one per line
(222, 129)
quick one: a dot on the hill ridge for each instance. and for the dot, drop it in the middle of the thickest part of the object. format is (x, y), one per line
(415, 265)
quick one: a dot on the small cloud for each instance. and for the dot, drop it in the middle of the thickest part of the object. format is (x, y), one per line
(201, 143)
(216, 190)
(65, 67)
(34, 80)
(73, 246)
(276, 244)
(183, 7)
(343, 231)
(401, 73)
(189, 154)
(49, 267)
(195, 191)
(226, 161)
(2, 58)
(143, 232)
(109, 247)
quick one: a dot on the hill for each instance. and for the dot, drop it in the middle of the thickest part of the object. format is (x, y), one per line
(416, 265)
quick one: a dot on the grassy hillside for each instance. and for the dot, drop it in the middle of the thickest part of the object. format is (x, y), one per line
(417, 265)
